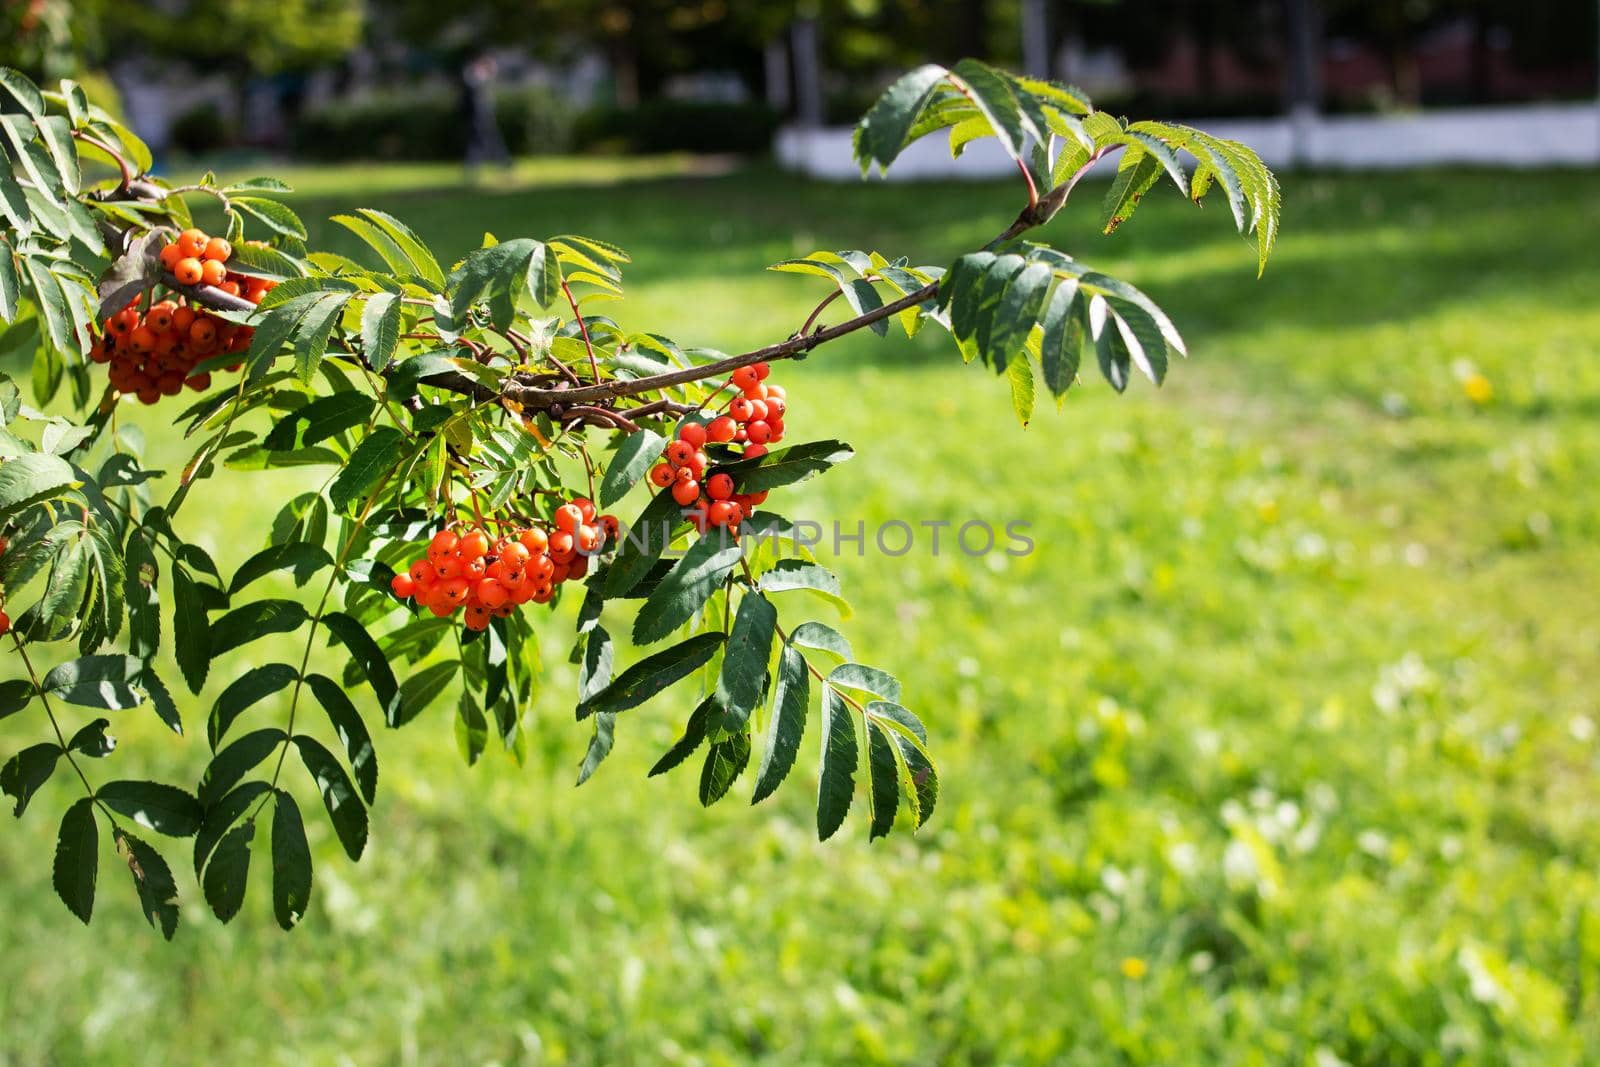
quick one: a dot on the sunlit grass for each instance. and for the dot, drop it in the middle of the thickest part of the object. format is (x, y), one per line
(1293, 705)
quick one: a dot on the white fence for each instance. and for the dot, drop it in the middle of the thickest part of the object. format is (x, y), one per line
(1530, 136)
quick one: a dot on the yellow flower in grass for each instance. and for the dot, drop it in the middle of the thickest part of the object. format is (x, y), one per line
(1134, 968)
(1479, 390)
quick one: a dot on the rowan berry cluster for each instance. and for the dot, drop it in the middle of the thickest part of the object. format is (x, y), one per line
(197, 258)
(489, 578)
(154, 354)
(754, 419)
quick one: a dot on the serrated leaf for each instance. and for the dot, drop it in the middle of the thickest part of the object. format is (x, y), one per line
(152, 879)
(685, 589)
(867, 679)
(77, 862)
(191, 630)
(32, 477)
(1019, 373)
(345, 810)
(26, 771)
(637, 453)
(822, 637)
(743, 680)
(837, 786)
(374, 458)
(786, 466)
(302, 557)
(790, 705)
(274, 215)
(254, 686)
(694, 734)
(228, 872)
(883, 772)
(352, 732)
(380, 328)
(253, 621)
(96, 682)
(373, 663)
(725, 761)
(291, 862)
(166, 809)
(422, 689)
(884, 129)
(653, 674)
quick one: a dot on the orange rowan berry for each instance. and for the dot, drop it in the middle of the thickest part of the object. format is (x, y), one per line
(473, 545)
(170, 255)
(759, 432)
(159, 317)
(568, 518)
(203, 334)
(535, 541)
(719, 487)
(661, 475)
(198, 382)
(686, 492)
(191, 243)
(188, 271)
(587, 538)
(217, 249)
(678, 452)
(762, 369)
(741, 410)
(721, 429)
(722, 512)
(142, 339)
(5, 624)
(490, 593)
(694, 433)
(403, 586)
(212, 272)
(745, 377)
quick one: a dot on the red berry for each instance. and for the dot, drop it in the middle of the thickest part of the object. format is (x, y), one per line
(722, 428)
(719, 487)
(678, 452)
(745, 377)
(758, 409)
(568, 518)
(759, 432)
(491, 594)
(762, 369)
(753, 451)
(723, 512)
(423, 574)
(692, 432)
(562, 546)
(686, 492)
(474, 568)
(5, 624)
(776, 391)
(513, 555)
(535, 541)
(741, 409)
(403, 586)
(444, 542)
(698, 463)
(661, 475)
(585, 508)
(587, 539)
(608, 525)
(474, 545)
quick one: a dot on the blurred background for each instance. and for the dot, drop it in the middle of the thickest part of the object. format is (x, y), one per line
(1282, 748)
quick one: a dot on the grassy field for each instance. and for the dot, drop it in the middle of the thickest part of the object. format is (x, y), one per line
(1282, 748)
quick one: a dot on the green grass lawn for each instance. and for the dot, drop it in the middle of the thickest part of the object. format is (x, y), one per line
(1281, 748)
